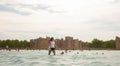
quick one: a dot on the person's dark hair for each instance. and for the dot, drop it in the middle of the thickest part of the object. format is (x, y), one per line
(51, 39)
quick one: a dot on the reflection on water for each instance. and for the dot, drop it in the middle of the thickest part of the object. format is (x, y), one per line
(73, 58)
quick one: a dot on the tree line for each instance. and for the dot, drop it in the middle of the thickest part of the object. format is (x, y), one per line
(96, 43)
(14, 43)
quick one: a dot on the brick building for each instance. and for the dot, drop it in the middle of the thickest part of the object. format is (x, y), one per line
(117, 42)
(69, 43)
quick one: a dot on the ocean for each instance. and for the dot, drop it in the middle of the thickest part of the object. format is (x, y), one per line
(71, 58)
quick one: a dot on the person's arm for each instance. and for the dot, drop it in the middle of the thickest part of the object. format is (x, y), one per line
(48, 42)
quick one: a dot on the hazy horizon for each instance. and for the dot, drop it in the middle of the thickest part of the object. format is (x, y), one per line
(81, 19)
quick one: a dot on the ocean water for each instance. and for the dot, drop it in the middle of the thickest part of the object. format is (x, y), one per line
(73, 58)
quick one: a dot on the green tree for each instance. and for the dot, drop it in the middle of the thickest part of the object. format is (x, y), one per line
(97, 43)
(14, 43)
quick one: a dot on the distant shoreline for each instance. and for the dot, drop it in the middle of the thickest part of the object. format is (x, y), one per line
(59, 49)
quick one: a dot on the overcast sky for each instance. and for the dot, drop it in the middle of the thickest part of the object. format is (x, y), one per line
(81, 19)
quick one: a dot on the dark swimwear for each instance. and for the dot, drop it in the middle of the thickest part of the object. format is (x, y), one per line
(52, 48)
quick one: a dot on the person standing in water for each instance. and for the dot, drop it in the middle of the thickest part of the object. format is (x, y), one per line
(52, 46)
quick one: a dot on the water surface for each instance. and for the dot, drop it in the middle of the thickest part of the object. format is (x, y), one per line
(73, 58)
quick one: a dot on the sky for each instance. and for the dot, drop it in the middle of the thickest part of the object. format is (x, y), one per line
(81, 19)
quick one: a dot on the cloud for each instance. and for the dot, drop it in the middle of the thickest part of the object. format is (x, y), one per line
(106, 25)
(26, 9)
(26, 35)
(8, 8)
(85, 19)
(114, 1)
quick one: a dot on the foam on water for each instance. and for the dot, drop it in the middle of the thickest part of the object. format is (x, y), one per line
(41, 58)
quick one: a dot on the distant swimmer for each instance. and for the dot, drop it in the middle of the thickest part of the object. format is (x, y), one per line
(7, 47)
(62, 53)
(69, 51)
(52, 46)
(102, 53)
(97, 53)
(66, 51)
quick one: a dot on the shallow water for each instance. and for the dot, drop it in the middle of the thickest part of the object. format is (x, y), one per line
(41, 58)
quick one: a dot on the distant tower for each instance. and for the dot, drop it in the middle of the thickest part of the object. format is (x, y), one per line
(69, 42)
(117, 42)
(76, 44)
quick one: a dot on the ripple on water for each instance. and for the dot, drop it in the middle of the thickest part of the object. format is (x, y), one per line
(41, 58)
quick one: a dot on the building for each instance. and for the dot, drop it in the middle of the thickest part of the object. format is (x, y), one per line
(69, 43)
(117, 42)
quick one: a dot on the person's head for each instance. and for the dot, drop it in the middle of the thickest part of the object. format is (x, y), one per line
(51, 39)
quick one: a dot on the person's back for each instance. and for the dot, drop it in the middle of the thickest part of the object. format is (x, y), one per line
(52, 44)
